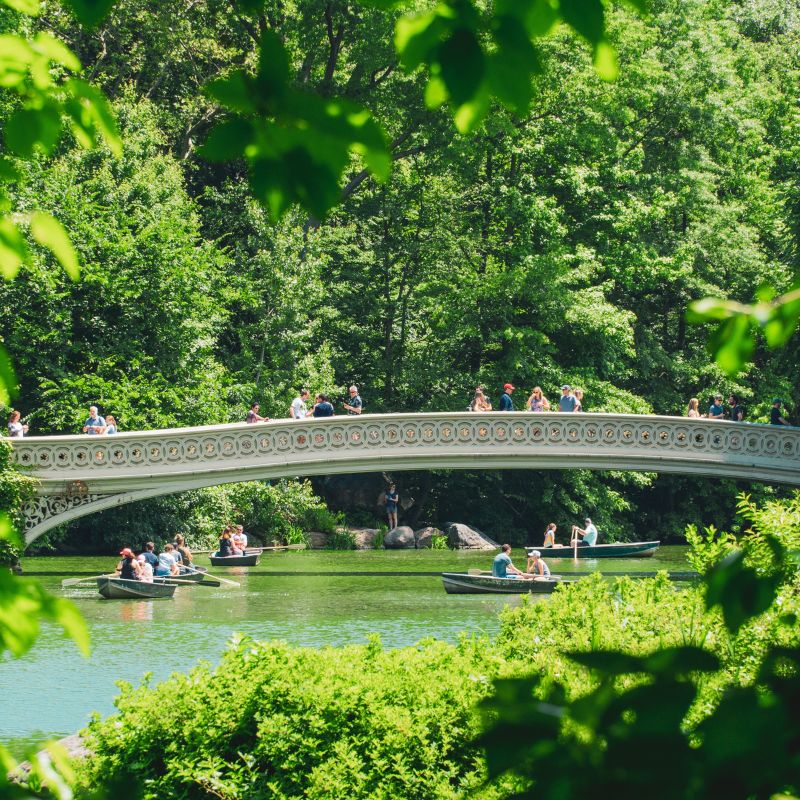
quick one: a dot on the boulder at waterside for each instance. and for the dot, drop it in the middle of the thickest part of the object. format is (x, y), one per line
(400, 538)
(364, 537)
(424, 537)
(462, 537)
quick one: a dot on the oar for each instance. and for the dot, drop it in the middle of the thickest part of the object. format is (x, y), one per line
(73, 581)
(213, 577)
(474, 571)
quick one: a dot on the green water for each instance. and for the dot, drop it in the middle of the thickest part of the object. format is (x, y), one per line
(305, 598)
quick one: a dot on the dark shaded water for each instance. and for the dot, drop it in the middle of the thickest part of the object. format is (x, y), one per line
(305, 598)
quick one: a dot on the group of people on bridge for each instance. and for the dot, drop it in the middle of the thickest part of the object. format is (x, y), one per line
(571, 401)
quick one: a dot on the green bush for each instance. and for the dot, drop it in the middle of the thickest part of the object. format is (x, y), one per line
(353, 722)
(320, 518)
(15, 489)
(341, 539)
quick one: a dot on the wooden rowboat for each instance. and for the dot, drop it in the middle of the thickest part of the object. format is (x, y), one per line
(185, 576)
(460, 583)
(618, 550)
(250, 560)
(119, 589)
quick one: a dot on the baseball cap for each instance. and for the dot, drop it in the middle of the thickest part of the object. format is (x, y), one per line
(127, 552)
(587, 519)
(509, 386)
(776, 400)
(565, 386)
(534, 554)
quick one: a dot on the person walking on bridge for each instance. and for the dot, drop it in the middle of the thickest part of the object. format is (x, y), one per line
(298, 409)
(775, 417)
(506, 403)
(253, 416)
(95, 424)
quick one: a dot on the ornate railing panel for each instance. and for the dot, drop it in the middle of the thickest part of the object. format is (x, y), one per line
(147, 463)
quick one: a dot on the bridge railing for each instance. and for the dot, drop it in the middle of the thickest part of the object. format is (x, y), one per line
(195, 449)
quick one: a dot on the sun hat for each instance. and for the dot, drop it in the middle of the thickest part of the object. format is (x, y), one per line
(534, 554)
(127, 552)
(509, 386)
(140, 558)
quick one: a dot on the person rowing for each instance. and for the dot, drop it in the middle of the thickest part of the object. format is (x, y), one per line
(128, 568)
(225, 547)
(180, 547)
(502, 566)
(536, 565)
(586, 537)
(239, 539)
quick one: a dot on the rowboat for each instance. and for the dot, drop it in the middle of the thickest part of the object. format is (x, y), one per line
(618, 550)
(250, 560)
(194, 575)
(121, 588)
(461, 583)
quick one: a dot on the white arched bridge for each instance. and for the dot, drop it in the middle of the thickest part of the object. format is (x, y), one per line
(79, 475)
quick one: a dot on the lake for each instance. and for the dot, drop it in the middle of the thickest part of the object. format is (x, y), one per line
(308, 598)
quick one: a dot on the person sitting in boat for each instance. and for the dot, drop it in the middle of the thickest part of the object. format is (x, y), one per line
(167, 565)
(550, 536)
(128, 568)
(149, 555)
(145, 569)
(239, 539)
(225, 547)
(536, 564)
(587, 537)
(502, 566)
(185, 552)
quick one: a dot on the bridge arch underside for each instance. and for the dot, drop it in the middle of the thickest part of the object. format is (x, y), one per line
(52, 507)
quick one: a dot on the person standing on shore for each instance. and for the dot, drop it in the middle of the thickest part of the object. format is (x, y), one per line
(392, 498)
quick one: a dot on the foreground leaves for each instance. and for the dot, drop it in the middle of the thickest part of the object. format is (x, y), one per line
(296, 145)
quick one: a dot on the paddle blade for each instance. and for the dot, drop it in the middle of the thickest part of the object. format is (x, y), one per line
(209, 583)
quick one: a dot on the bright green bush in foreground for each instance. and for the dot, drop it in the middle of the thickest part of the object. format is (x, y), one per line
(279, 721)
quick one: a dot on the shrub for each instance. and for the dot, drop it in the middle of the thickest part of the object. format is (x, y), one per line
(341, 539)
(352, 722)
(320, 518)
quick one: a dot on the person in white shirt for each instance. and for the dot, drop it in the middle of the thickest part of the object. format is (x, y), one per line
(167, 565)
(239, 539)
(145, 570)
(298, 408)
(15, 428)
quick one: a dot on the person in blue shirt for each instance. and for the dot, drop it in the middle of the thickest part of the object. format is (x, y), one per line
(588, 534)
(95, 424)
(502, 566)
(716, 410)
(567, 402)
(323, 407)
(149, 556)
(506, 403)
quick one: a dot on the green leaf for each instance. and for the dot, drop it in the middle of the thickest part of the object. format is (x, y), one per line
(611, 662)
(732, 343)
(251, 8)
(605, 61)
(435, 92)
(234, 92)
(586, 17)
(512, 64)
(29, 7)
(273, 65)
(90, 12)
(711, 308)
(417, 36)
(227, 140)
(13, 248)
(95, 116)
(469, 116)
(8, 533)
(50, 233)
(463, 66)
(681, 660)
(739, 591)
(8, 171)
(31, 129)
(57, 51)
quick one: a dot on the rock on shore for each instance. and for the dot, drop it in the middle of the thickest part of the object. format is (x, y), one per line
(400, 538)
(462, 537)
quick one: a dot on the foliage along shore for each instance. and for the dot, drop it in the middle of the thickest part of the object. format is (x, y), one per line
(365, 722)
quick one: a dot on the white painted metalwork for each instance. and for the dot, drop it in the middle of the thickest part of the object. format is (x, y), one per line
(82, 474)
